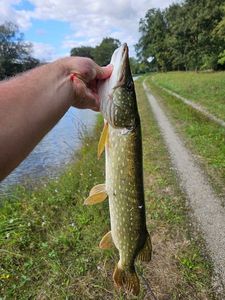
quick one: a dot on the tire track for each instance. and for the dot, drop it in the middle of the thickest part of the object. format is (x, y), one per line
(207, 210)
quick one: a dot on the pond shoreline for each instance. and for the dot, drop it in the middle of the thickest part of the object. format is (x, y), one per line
(54, 152)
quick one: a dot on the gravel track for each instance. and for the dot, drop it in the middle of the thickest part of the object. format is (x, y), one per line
(208, 212)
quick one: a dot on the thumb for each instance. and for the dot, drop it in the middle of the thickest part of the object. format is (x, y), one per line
(104, 72)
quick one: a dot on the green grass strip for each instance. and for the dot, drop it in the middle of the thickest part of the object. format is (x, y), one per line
(206, 89)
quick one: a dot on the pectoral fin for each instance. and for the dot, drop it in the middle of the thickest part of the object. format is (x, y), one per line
(145, 253)
(103, 139)
(97, 194)
(106, 242)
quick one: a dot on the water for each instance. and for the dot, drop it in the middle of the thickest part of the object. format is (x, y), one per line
(55, 150)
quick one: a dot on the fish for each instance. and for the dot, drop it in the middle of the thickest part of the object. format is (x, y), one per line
(121, 139)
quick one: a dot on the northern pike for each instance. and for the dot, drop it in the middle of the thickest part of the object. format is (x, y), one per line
(121, 138)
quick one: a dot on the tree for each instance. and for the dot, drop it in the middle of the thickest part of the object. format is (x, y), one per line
(137, 67)
(15, 54)
(204, 15)
(153, 42)
(84, 51)
(103, 52)
(219, 34)
(178, 36)
(184, 36)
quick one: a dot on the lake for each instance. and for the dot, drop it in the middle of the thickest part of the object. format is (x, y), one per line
(55, 150)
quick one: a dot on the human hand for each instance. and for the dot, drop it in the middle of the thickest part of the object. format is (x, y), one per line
(85, 74)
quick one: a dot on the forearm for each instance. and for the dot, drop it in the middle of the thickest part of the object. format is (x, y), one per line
(45, 94)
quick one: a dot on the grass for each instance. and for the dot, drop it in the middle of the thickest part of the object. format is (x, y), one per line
(206, 89)
(205, 138)
(49, 240)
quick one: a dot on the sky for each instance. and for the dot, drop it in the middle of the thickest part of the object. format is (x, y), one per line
(54, 27)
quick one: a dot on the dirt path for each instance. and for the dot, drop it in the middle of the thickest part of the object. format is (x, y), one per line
(207, 210)
(196, 106)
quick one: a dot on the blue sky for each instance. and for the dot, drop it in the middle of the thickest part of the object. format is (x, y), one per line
(56, 26)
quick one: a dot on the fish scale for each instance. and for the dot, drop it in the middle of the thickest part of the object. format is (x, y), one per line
(121, 138)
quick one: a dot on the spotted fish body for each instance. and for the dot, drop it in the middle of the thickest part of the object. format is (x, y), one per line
(124, 175)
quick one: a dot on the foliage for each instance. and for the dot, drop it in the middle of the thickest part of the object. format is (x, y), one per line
(83, 51)
(221, 59)
(101, 53)
(138, 67)
(186, 36)
(219, 32)
(15, 53)
(104, 51)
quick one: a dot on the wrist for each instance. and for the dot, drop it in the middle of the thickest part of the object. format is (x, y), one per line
(63, 68)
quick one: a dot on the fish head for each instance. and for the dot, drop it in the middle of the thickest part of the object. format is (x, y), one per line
(117, 93)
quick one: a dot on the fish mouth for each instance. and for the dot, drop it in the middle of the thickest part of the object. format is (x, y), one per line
(124, 62)
(124, 56)
(125, 51)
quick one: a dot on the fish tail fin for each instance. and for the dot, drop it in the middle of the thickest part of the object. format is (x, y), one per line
(145, 253)
(127, 279)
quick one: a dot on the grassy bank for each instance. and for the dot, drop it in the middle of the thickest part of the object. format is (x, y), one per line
(49, 240)
(206, 89)
(205, 138)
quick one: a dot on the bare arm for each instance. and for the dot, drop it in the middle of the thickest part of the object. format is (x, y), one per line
(32, 103)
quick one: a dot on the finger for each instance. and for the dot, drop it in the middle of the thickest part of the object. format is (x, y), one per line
(92, 85)
(93, 99)
(95, 109)
(86, 103)
(104, 72)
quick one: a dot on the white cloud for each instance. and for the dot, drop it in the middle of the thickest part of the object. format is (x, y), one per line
(9, 14)
(44, 52)
(90, 20)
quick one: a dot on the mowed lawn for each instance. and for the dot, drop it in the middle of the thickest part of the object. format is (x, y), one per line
(206, 89)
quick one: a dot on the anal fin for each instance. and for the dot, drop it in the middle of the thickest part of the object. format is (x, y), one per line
(103, 139)
(97, 195)
(145, 253)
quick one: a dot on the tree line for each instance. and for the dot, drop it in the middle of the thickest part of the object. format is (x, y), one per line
(101, 54)
(186, 36)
